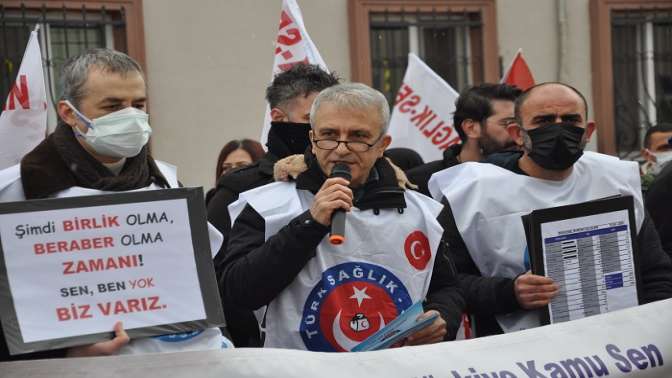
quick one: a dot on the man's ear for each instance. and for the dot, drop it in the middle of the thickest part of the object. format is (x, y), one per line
(471, 128)
(590, 128)
(277, 115)
(311, 138)
(384, 143)
(66, 113)
(515, 133)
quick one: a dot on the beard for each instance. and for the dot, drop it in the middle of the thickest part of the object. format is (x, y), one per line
(490, 146)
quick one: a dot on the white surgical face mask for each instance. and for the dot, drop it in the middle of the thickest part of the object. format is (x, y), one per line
(120, 134)
(662, 158)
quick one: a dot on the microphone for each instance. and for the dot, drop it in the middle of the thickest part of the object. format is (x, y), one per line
(337, 235)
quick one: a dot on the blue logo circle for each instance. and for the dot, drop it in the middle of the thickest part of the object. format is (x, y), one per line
(350, 303)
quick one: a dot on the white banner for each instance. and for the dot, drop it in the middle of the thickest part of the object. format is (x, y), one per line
(293, 45)
(23, 122)
(630, 343)
(422, 119)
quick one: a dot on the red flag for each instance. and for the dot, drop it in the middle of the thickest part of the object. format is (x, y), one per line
(519, 73)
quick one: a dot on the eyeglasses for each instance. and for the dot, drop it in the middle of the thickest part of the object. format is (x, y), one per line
(330, 144)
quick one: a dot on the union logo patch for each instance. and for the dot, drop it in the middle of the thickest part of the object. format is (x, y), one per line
(350, 303)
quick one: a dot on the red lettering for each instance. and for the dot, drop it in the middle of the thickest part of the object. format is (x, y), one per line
(408, 106)
(134, 305)
(20, 93)
(68, 267)
(422, 117)
(404, 92)
(284, 20)
(430, 120)
(38, 248)
(68, 226)
(154, 303)
(293, 37)
(105, 308)
(286, 66)
(63, 314)
(113, 221)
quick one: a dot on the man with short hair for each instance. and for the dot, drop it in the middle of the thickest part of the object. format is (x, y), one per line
(318, 296)
(482, 113)
(657, 180)
(289, 97)
(490, 249)
(99, 145)
(657, 152)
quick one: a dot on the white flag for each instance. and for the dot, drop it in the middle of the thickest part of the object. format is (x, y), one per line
(293, 45)
(422, 118)
(23, 122)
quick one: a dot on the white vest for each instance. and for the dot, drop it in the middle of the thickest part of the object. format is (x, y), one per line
(11, 189)
(347, 292)
(488, 202)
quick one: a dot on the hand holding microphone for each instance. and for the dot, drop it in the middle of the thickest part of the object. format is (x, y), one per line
(333, 198)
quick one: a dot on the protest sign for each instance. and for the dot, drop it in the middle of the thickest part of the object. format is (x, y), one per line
(628, 343)
(72, 267)
(422, 118)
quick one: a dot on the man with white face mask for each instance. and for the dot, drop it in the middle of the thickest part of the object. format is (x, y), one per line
(99, 146)
(657, 152)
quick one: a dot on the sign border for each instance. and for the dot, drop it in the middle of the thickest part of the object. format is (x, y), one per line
(202, 256)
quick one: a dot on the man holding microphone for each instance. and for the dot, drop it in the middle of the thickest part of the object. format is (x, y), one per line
(316, 294)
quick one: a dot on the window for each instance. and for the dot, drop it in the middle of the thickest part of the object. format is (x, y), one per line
(632, 65)
(65, 31)
(455, 38)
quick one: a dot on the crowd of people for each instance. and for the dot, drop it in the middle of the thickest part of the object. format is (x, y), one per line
(446, 233)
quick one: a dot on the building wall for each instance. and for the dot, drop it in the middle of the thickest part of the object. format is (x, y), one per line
(208, 64)
(533, 25)
(207, 80)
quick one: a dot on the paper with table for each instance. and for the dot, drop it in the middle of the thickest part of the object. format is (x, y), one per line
(588, 249)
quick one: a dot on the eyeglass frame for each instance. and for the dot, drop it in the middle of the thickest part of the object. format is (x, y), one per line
(347, 144)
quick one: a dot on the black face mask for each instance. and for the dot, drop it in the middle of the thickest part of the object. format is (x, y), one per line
(292, 135)
(556, 146)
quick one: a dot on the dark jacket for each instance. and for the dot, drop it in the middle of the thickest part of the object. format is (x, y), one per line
(241, 324)
(658, 202)
(490, 296)
(255, 272)
(420, 175)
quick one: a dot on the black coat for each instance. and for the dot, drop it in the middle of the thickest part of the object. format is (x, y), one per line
(420, 175)
(490, 296)
(257, 271)
(659, 204)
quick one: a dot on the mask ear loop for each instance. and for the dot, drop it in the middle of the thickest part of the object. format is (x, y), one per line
(81, 116)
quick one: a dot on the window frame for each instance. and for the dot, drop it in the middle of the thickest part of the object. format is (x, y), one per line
(360, 48)
(134, 18)
(601, 64)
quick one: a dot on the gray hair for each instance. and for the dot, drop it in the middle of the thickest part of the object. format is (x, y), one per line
(354, 96)
(76, 70)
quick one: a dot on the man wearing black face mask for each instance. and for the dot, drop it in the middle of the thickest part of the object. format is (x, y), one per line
(290, 97)
(552, 169)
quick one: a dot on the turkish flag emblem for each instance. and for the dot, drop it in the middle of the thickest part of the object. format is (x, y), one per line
(417, 250)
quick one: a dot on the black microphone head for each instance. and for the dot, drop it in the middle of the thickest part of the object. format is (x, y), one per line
(341, 170)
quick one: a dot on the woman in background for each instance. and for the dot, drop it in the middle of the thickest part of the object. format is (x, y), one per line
(236, 154)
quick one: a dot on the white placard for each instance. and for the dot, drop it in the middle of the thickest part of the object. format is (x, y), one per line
(77, 271)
